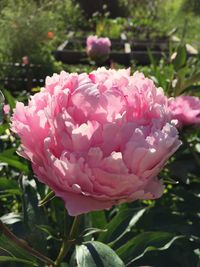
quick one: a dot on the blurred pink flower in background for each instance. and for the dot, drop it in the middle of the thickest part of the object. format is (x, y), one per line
(185, 109)
(6, 109)
(102, 138)
(25, 60)
(98, 49)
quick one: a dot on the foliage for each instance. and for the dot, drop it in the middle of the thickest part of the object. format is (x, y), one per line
(192, 5)
(25, 26)
(160, 233)
(176, 75)
(34, 29)
(105, 26)
(116, 8)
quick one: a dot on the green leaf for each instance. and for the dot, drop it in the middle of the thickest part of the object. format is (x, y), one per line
(3, 127)
(136, 217)
(9, 187)
(120, 224)
(7, 246)
(33, 215)
(139, 245)
(6, 184)
(2, 99)
(14, 259)
(9, 98)
(11, 218)
(11, 245)
(96, 254)
(190, 81)
(9, 192)
(180, 58)
(13, 160)
(91, 231)
(64, 264)
(152, 59)
(83, 258)
(49, 231)
(98, 219)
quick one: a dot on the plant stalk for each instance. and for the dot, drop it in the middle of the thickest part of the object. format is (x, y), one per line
(68, 241)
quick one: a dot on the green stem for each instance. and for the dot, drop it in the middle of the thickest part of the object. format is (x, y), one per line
(23, 245)
(47, 198)
(68, 241)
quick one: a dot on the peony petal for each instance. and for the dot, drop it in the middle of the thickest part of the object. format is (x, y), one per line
(77, 204)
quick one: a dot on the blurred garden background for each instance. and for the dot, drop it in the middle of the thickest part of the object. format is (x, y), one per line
(160, 38)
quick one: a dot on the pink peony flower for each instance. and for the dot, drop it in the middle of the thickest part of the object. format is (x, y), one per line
(6, 109)
(185, 109)
(98, 49)
(97, 139)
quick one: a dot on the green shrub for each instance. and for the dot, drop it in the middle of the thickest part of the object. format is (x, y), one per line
(25, 24)
(192, 5)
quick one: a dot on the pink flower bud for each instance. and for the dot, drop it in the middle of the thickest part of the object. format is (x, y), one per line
(98, 49)
(6, 109)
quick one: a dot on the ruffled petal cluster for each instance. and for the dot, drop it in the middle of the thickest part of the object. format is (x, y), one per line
(97, 139)
(185, 109)
(98, 49)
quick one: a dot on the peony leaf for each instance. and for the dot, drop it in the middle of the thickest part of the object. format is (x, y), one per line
(9, 187)
(9, 98)
(8, 157)
(64, 264)
(96, 254)
(6, 184)
(14, 259)
(2, 99)
(33, 215)
(144, 242)
(120, 224)
(3, 128)
(190, 81)
(10, 251)
(11, 218)
(49, 231)
(98, 219)
(180, 58)
(91, 231)
(12, 246)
